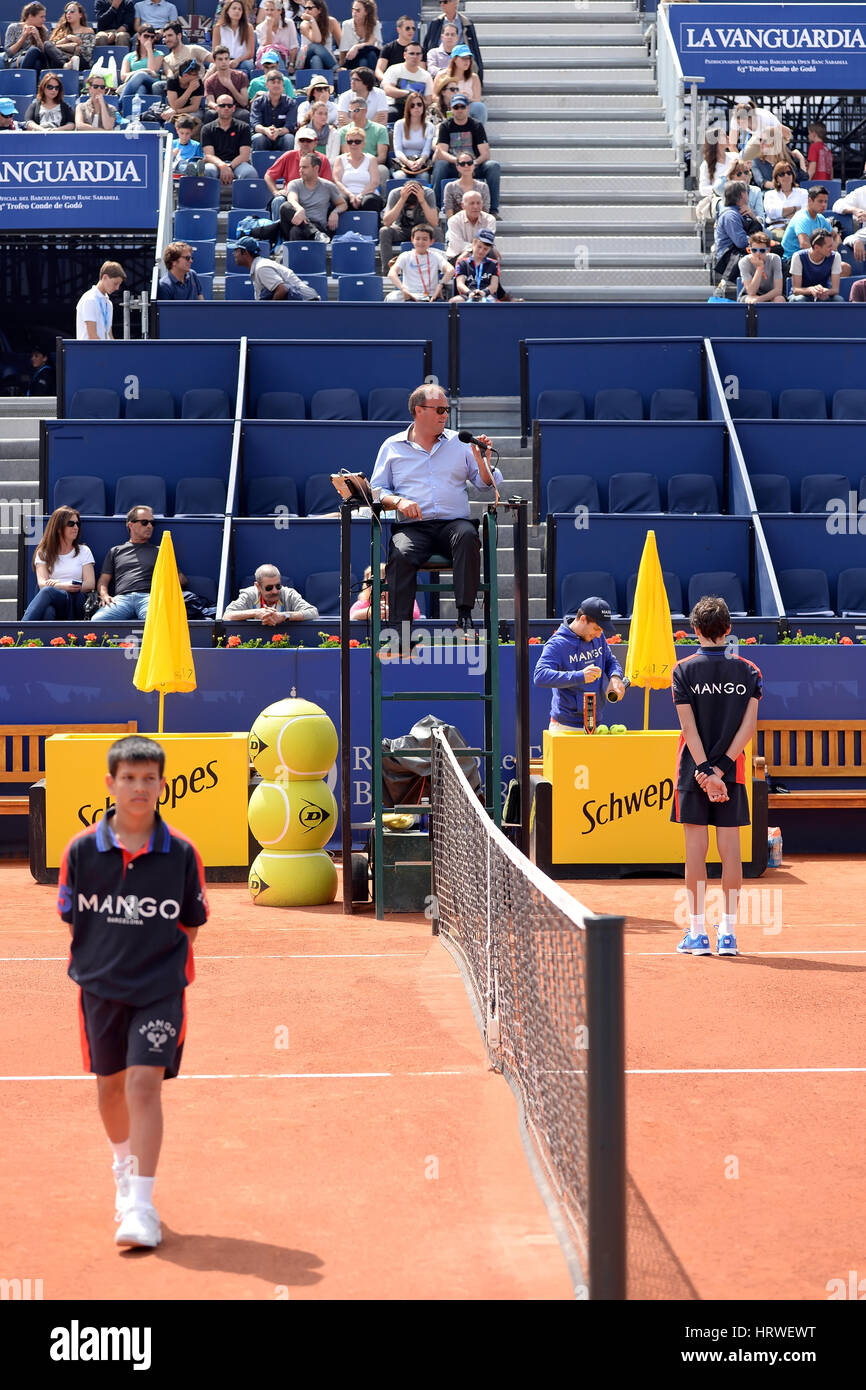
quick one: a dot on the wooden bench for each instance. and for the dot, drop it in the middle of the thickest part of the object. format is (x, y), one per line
(809, 749)
(23, 755)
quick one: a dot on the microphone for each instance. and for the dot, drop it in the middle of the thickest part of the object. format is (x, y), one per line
(467, 437)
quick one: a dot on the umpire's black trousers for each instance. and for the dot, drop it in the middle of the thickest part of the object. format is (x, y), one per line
(412, 544)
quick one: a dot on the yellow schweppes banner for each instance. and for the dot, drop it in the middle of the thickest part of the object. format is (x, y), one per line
(205, 797)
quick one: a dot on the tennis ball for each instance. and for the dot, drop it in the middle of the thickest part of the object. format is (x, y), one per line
(618, 729)
(292, 740)
(602, 729)
(293, 880)
(292, 815)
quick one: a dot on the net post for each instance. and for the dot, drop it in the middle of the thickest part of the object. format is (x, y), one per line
(346, 705)
(606, 1107)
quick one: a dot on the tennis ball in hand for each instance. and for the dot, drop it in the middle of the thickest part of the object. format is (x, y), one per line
(293, 880)
(618, 729)
(292, 815)
(294, 741)
(602, 729)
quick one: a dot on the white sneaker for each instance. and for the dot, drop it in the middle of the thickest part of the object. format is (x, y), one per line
(139, 1227)
(122, 1192)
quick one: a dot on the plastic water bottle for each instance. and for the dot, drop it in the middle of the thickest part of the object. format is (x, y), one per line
(774, 837)
(137, 105)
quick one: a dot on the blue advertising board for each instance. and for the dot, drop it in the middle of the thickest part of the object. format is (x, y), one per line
(79, 182)
(772, 48)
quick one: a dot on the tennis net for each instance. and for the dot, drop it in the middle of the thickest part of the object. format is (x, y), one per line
(546, 980)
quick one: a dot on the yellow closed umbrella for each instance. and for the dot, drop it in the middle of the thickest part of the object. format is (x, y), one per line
(651, 653)
(165, 660)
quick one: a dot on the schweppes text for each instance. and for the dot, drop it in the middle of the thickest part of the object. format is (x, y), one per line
(652, 798)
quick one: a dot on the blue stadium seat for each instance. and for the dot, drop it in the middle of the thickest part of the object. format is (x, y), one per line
(802, 403)
(320, 496)
(853, 184)
(633, 492)
(83, 492)
(148, 99)
(772, 492)
(195, 224)
(670, 403)
(139, 490)
(239, 287)
(359, 288)
(850, 593)
(673, 589)
(152, 403)
(847, 284)
(581, 584)
(567, 491)
(206, 282)
(198, 193)
(306, 257)
(817, 489)
(262, 160)
(200, 497)
(752, 404)
(849, 404)
(117, 51)
(94, 403)
(252, 194)
(721, 583)
(264, 496)
(388, 403)
(336, 403)
(618, 403)
(319, 283)
(805, 593)
(322, 590)
(205, 403)
(364, 223)
(302, 77)
(204, 256)
(17, 82)
(281, 405)
(353, 258)
(560, 405)
(693, 494)
(204, 586)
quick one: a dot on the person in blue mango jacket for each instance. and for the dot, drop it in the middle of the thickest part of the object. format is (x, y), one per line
(577, 659)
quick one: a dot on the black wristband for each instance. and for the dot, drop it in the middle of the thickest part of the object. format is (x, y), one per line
(726, 764)
(707, 768)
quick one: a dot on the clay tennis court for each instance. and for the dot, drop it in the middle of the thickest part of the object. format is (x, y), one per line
(375, 1156)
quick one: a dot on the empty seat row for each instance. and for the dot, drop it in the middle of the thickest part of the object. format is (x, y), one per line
(385, 403)
(617, 403)
(724, 583)
(192, 497)
(806, 593)
(688, 493)
(352, 289)
(799, 403)
(817, 491)
(151, 403)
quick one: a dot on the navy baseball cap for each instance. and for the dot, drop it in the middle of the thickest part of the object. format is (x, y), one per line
(249, 244)
(486, 235)
(459, 100)
(598, 611)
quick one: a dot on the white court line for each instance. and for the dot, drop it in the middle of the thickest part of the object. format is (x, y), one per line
(266, 1075)
(299, 955)
(806, 951)
(738, 1071)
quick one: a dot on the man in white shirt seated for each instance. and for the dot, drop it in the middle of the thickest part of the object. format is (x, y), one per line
(270, 602)
(465, 225)
(362, 83)
(409, 76)
(420, 274)
(855, 204)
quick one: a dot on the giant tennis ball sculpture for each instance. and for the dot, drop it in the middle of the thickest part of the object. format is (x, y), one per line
(293, 880)
(292, 815)
(293, 741)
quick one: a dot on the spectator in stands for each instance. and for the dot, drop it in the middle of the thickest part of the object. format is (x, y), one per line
(180, 53)
(287, 168)
(185, 93)
(751, 124)
(858, 291)
(95, 113)
(818, 154)
(362, 84)
(224, 80)
(714, 171)
(742, 172)
(732, 231)
(180, 280)
(94, 312)
(276, 33)
(461, 70)
(74, 36)
(761, 273)
(439, 58)
(187, 154)
(356, 174)
(855, 204)
(465, 31)
(270, 62)
(360, 609)
(312, 206)
(477, 275)
(8, 112)
(270, 280)
(65, 570)
(156, 13)
(769, 155)
(815, 273)
(43, 381)
(784, 199)
(408, 76)
(27, 41)
(407, 208)
(443, 95)
(237, 34)
(128, 569)
(422, 473)
(361, 36)
(269, 601)
(273, 117)
(837, 239)
(394, 52)
(413, 140)
(327, 137)
(49, 111)
(318, 94)
(420, 275)
(320, 35)
(115, 21)
(466, 182)
(461, 133)
(798, 233)
(141, 68)
(465, 226)
(226, 145)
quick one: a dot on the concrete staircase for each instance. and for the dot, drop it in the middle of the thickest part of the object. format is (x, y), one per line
(19, 485)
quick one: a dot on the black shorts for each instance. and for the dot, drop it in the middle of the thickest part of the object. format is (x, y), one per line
(116, 1035)
(693, 807)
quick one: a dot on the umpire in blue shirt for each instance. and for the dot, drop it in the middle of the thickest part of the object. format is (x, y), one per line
(421, 473)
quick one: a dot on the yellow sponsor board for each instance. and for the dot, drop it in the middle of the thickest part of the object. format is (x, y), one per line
(205, 797)
(612, 798)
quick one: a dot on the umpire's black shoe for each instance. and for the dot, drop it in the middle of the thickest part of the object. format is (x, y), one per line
(466, 627)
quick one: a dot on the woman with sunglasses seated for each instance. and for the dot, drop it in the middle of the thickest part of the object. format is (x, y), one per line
(356, 174)
(65, 570)
(74, 36)
(48, 110)
(95, 113)
(456, 190)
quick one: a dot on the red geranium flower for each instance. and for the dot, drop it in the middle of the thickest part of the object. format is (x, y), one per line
(333, 641)
(353, 642)
(678, 636)
(845, 642)
(611, 641)
(58, 642)
(90, 637)
(534, 641)
(750, 641)
(7, 641)
(234, 640)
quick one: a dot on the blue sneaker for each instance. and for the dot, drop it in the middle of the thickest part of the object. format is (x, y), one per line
(726, 944)
(695, 945)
